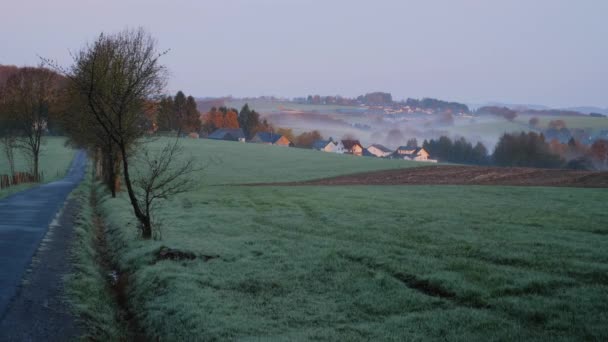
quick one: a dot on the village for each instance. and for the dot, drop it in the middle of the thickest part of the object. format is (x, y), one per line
(343, 146)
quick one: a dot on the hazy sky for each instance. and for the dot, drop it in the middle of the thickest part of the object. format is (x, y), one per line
(552, 52)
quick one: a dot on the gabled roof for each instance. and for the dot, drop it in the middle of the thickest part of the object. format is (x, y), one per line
(367, 153)
(349, 144)
(407, 148)
(268, 137)
(227, 133)
(381, 148)
(321, 144)
(416, 150)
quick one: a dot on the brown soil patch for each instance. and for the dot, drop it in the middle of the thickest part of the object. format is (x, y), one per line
(467, 175)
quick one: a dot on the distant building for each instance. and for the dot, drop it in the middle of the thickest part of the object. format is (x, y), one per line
(230, 134)
(352, 147)
(380, 151)
(270, 139)
(412, 153)
(328, 146)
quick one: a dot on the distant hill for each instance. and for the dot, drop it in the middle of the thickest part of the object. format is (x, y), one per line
(544, 110)
(204, 105)
(438, 106)
(589, 110)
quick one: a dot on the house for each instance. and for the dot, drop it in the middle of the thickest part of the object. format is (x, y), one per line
(270, 139)
(230, 134)
(412, 153)
(352, 147)
(328, 146)
(378, 150)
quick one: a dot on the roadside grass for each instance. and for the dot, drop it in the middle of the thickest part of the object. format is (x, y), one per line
(55, 160)
(364, 262)
(87, 286)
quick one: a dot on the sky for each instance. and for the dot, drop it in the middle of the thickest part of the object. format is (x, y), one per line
(550, 52)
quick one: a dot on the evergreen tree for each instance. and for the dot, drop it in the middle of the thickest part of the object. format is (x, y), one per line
(179, 110)
(165, 118)
(249, 120)
(192, 121)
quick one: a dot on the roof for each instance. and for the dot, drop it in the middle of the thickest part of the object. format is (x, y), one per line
(321, 144)
(227, 133)
(381, 148)
(268, 137)
(349, 144)
(416, 150)
(367, 153)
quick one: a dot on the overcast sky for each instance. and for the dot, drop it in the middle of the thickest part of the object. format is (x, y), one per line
(552, 52)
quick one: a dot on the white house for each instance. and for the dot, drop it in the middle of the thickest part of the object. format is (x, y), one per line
(328, 146)
(378, 150)
(413, 153)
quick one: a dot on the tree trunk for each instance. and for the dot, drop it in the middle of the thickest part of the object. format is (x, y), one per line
(144, 220)
(116, 173)
(36, 174)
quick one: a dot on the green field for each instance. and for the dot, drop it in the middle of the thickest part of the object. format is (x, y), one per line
(55, 159)
(269, 107)
(364, 262)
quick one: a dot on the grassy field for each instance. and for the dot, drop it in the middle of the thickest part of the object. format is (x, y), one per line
(55, 160)
(364, 263)
(269, 107)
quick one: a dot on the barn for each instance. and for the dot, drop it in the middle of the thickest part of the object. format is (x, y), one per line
(270, 138)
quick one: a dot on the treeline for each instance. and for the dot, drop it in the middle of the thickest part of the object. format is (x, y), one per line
(247, 119)
(178, 114)
(304, 140)
(31, 100)
(457, 151)
(525, 149)
(437, 105)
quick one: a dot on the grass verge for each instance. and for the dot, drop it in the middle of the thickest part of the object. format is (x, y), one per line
(88, 287)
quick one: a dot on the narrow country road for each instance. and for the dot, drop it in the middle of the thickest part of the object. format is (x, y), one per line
(24, 220)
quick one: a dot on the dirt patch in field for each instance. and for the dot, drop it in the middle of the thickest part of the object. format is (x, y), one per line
(467, 175)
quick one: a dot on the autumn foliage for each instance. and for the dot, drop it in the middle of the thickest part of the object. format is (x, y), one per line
(218, 118)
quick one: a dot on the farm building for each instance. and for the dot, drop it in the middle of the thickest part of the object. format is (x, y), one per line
(328, 146)
(231, 134)
(270, 139)
(412, 153)
(378, 150)
(352, 147)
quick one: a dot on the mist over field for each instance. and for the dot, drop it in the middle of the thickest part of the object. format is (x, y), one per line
(304, 170)
(377, 126)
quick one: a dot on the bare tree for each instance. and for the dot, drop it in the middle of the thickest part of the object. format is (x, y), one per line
(116, 75)
(8, 142)
(162, 175)
(29, 96)
(8, 133)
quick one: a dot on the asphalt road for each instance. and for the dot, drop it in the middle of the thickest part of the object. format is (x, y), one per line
(24, 220)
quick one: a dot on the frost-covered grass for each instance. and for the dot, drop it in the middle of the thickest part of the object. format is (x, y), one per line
(55, 159)
(365, 262)
(87, 285)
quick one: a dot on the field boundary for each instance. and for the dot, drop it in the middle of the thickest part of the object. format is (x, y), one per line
(462, 175)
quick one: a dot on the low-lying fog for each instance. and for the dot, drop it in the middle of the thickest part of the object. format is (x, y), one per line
(394, 130)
